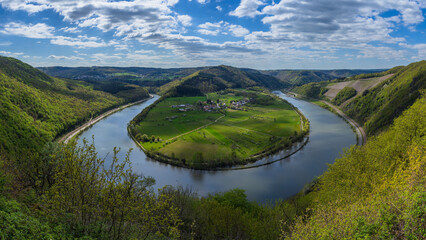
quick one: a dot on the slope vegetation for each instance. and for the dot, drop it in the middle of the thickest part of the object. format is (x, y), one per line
(219, 78)
(35, 108)
(136, 75)
(380, 97)
(377, 107)
(377, 191)
(300, 77)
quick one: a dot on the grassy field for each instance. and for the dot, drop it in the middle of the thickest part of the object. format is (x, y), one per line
(219, 137)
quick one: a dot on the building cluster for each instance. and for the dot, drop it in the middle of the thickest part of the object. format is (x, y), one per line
(183, 107)
(236, 105)
(209, 106)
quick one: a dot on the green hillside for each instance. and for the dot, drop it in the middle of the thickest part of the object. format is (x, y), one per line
(36, 108)
(219, 78)
(141, 76)
(300, 77)
(377, 107)
(373, 192)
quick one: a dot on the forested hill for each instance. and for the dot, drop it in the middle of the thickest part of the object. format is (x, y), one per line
(219, 78)
(35, 108)
(137, 75)
(300, 77)
(378, 107)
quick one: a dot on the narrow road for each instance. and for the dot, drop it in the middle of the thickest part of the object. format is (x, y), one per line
(65, 139)
(359, 130)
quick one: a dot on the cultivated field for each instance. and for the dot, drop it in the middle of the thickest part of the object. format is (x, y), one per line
(184, 128)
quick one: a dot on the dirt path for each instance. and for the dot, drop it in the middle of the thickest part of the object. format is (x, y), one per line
(70, 135)
(359, 130)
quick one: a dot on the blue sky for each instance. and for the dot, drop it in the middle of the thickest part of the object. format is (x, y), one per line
(260, 34)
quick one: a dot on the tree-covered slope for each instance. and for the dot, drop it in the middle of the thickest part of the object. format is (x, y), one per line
(35, 108)
(300, 77)
(136, 75)
(219, 78)
(377, 191)
(377, 107)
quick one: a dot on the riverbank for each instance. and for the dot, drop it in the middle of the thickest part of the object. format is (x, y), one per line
(293, 144)
(361, 135)
(328, 135)
(67, 137)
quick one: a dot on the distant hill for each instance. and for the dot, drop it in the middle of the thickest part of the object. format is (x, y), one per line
(36, 108)
(219, 78)
(135, 75)
(300, 77)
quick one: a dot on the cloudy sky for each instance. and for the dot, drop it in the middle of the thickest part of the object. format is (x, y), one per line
(260, 34)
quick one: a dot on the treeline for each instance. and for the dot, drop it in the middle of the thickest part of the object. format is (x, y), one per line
(344, 94)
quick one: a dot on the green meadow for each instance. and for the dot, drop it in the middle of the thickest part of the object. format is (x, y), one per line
(220, 137)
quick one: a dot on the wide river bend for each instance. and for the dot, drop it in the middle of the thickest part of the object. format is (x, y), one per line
(328, 137)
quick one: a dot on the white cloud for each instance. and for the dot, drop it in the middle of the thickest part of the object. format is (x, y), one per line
(294, 30)
(248, 8)
(55, 57)
(185, 20)
(223, 28)
(102, 57)
(80, 42)
(3, 44)
(39, 30)
(71, 30)
(203, 1)
(11, 54)
(237, 30)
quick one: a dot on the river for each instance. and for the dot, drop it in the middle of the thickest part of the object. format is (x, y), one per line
(328, 137)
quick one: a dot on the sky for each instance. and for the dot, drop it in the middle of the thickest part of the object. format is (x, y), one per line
(259, 34)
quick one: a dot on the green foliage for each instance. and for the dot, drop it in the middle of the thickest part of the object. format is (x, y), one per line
(377, 108)
(133, 75)
(312, 90)
(344, 94)
(219, 78)
(301, 77)
(376, 191)
(106, 201)
(36, 108)
(17, 223)
(227, 215)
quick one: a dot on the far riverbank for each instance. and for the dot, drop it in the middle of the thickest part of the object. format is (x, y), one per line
(67, 137)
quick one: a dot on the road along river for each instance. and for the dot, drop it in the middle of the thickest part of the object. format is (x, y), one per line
(328, 136)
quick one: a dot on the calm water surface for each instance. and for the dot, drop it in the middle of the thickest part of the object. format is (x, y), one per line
(329, 135)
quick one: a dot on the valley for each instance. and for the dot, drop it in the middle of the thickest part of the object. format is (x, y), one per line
(212, 120)
(217, 119)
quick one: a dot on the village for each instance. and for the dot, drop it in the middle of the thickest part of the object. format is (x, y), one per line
(209, 105)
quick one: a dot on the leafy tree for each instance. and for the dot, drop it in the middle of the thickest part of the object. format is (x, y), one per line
(107, 202)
